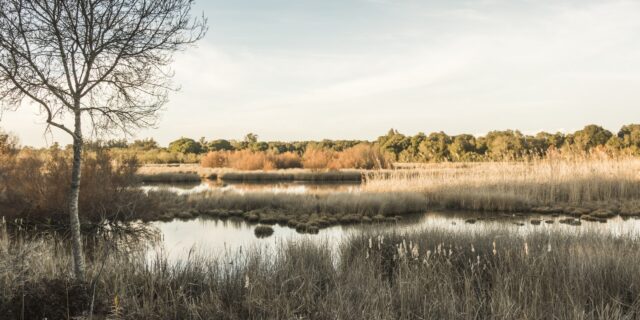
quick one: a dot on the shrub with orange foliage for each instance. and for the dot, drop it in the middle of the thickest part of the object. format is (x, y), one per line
(251, 160)
(288, 160)
(317, 158)
(215, 159)
(361, 156)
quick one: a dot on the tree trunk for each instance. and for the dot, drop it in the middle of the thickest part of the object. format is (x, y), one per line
(74, 194)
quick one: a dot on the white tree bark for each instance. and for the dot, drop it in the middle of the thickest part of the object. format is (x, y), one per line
(74, 196)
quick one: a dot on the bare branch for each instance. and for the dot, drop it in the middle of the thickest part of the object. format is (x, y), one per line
(107, 59)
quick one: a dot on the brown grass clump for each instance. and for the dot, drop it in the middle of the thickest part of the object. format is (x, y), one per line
(263, 231)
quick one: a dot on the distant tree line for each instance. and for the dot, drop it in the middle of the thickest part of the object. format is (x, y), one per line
(433, 147)
(250, 143)
(507, 144)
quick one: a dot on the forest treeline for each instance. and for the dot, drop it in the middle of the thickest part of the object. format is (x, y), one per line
(511, 145)
(433, 147)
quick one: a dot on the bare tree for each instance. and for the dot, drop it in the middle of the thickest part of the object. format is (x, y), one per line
(102, 61)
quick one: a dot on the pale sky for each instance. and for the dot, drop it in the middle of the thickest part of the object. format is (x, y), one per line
(352, 69)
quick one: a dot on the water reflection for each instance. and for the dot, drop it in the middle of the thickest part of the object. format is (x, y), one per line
(224, 238)
(242, 187)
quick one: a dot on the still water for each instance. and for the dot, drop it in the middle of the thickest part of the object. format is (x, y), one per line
(225, 238)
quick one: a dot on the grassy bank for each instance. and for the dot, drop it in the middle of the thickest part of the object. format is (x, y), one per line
(432, 275)
(304, 212)
(308, 213)
(292, 175)
(195, 173)
(154, 173)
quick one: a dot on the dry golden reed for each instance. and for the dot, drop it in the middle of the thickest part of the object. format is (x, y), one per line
(518, 185)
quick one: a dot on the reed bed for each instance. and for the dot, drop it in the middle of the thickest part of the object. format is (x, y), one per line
(585, 189)
(424, 275)
(511, 186)
(590, 190)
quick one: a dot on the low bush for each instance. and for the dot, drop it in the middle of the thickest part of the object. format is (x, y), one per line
(38, 184)
(318, 158)
(361, 156)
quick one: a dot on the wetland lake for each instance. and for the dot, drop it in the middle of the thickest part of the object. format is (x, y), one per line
(224, 238)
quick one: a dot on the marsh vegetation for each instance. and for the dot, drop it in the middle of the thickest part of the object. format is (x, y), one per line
(587, 188)
(435, 274)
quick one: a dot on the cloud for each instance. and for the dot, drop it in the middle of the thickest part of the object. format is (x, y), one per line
(460, 66)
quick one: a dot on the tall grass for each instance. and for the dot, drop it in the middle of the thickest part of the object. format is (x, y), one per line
(612, 183)
(426, 275)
